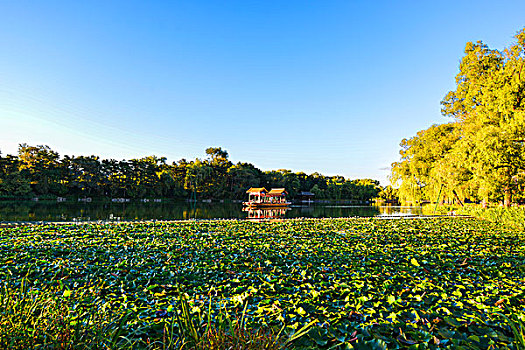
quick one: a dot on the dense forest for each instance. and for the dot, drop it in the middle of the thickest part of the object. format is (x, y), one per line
(479, 155)
(38, 171)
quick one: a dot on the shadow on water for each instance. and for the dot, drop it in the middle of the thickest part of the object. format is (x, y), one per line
(73, 211)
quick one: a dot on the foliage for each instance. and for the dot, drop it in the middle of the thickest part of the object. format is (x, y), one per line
(513, 216)
(45, 318)
(345, 283)
(50, 318)
(40, 171)
(481, 154)
(518, 329)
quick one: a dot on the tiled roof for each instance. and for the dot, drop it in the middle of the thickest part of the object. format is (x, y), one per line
(278, 191)
(257, 190)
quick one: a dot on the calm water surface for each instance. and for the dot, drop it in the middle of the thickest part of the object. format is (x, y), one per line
(74, 211)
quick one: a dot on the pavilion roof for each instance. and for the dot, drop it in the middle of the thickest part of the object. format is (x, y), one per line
(277, 191)
(257, 190)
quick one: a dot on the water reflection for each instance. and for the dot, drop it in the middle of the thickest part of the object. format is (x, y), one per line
(400, 211)
(80, 211)
(265, 214)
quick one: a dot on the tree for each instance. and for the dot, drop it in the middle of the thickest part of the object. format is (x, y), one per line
(40, 165)
(242, 176)
(489, 104)
(197, 178)
(422, 171)
(40, 170)
(83, 175)
(388, 194)
(481, 155)
(218, 156)
(12, 181)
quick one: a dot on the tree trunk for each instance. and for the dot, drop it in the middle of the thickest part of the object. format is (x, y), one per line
(507, 199)
(484, 203)
(457, 197)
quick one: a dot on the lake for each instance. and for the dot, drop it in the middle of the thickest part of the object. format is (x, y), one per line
(75, 211)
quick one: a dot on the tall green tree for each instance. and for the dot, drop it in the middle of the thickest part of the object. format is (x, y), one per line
(41, 165)
(12, 182)
(481, 155)
(489, 104)
(426, 164)
(242, 176)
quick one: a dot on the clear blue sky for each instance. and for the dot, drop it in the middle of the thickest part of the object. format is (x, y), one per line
(328, 86)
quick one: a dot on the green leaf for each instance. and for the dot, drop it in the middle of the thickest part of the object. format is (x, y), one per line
(300, 311)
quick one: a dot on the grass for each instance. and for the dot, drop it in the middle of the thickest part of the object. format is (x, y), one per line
(43, 318)
(200, 333)
(517, 326)
(31, 318)
(513, 217)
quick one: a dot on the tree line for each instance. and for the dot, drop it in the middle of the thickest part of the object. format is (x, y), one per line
(480, 155)
(39, 171)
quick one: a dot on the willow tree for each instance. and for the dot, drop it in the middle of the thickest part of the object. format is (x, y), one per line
(425, 163)
(481, 154)
(488, 103)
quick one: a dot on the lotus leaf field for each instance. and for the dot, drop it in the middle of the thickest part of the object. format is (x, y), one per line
(446, 283)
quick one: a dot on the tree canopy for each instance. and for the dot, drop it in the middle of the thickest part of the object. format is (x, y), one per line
(40, 171)
(480, 154)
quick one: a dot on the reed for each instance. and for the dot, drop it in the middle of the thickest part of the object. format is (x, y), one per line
(517, 326)
(44, 318)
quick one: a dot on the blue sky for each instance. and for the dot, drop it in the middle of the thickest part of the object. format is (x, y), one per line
(327, 86)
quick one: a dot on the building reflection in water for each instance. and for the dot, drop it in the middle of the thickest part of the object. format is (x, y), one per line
(265, 214)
